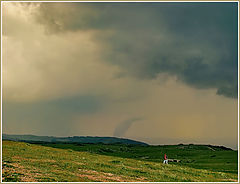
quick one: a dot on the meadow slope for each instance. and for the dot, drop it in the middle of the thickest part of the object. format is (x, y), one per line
(115, 163)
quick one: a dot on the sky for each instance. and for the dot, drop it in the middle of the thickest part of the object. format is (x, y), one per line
(162, 73)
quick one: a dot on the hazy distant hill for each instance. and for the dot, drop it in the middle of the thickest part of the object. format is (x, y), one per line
(74, 139)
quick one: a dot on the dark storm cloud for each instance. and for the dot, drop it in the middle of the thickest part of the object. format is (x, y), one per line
(122, 128)
(49, 116)
(84, 68)
(196, 42)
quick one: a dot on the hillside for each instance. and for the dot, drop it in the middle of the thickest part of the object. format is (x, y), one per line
(47, 162)
(74, 139)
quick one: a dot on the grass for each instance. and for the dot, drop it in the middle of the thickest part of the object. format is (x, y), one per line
(115, 163)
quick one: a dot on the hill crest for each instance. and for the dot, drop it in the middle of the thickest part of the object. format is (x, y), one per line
(72, 139)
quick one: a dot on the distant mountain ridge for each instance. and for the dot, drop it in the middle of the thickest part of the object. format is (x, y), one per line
(73, 139)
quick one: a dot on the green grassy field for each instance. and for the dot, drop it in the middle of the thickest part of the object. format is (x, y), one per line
(116, 163)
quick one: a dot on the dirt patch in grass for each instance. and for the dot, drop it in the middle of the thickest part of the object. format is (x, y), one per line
(103, 177)
(14, 172)
(230, 180)
(42, 160)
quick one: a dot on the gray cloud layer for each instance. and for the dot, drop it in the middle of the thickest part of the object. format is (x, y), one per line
(196, 42)
(50, 115)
